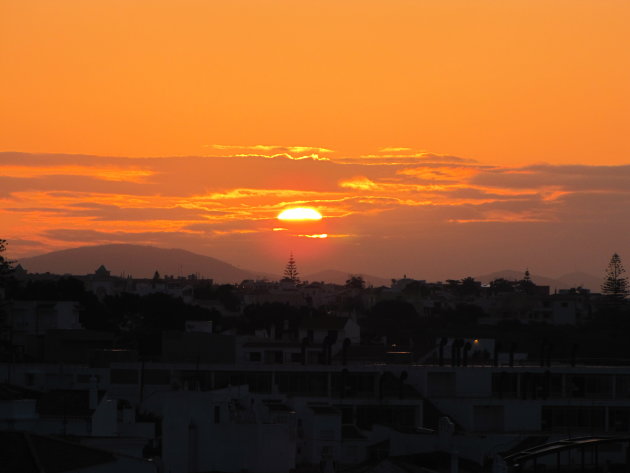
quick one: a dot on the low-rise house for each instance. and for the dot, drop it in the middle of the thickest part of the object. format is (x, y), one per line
(37, 317)
(198, 346)
(226, 430)
(334, 330)
(67, 346)
(58, 412)
(556, 309)
(87, 415)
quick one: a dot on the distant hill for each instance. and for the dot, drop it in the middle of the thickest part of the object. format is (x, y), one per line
(137, 261)
(580, 279)
(340, 277)
(566, 281)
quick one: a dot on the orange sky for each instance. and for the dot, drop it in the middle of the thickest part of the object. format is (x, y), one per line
(445, 124)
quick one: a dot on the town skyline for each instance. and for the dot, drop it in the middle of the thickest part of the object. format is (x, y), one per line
(140, 261)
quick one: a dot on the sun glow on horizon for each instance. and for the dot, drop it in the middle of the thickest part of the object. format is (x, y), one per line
(300, 213)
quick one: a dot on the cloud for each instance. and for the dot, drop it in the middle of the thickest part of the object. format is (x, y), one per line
(70, 183)
(118, 213)
(570, 178)
(407, 158)
(313, 156)
(393, 149)
(109, 173)
(362, 183)
(100, 237)
(230, 203)
(274, 148)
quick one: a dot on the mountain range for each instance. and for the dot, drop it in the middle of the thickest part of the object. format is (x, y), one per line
(137, 261)
(142, 261)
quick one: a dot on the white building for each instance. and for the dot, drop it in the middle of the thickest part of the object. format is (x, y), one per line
(37, 317)
(312, 411)
(226, 430)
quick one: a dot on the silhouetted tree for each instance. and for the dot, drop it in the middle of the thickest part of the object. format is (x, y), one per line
(355, 282)
(615, 283)
(393, 311)
(501, 285)
(290, 271)
(469, 287)
(416, 288)
(395, 319)
(452, 284)
(228, 297)
(6, 266)
(526, 284)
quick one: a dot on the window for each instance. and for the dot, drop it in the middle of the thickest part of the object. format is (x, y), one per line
(584, 418)
(441, 383)
(347, 414)
(255, 356)
(314, 384)
(504, 384)
(327, 435)
(619, 419)
(354, 384)
(396, 416)
(124, 376)
(623, 386)
(598, 386)
(351, 450)
(278, 357)
(86, 378)
(157, 377)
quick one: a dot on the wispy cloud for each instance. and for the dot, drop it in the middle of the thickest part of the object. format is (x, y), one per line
(52, 201)
(109, 173)
(278, 149)
(393, 149)
(313, 157)
(362, 183)
(401, 156)
(316, 235)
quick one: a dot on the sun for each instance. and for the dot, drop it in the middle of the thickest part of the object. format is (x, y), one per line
(299, 213)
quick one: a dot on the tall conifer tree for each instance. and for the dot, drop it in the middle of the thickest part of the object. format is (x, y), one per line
(615, 283)
(290, 271)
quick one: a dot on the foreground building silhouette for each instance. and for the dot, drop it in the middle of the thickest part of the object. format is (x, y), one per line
(307, 396)
(268, 417)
